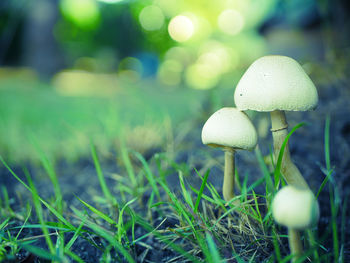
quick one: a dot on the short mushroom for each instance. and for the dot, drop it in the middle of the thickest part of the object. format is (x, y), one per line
(231, 130)
(297, 209)
(276, 84)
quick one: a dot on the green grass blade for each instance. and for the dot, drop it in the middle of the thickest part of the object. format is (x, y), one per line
(148, 233)
(238, 258)
(39, 212)
(244, 188)
(217, 200)
(100, 176)
(52, 210)
(104, 234)
(256, 184)
(201, 240)
(204, 196)
(334, 199)
(148, 173)
(200, 193)
(280, 155)
(121, 230)
(324, 182)
(24, 223)
(276, 245)
(75, 236)
(111, 239)
(42, 253)
(97, 212)
(180, 208)
(313, 245)
(74, 256)
(50, 170)
(215, 256)
(127, 162)
(265, 170)
(49, 225)
(185, 193)
(3, 224)
(6, 202)
(257, 207)
(60, 245)
(140, 221)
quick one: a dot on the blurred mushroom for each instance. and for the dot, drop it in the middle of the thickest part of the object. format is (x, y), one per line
(231, 130)
(297, 209)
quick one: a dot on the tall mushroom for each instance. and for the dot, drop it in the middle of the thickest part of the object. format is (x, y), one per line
(231, 130)
(297, 209)
(276, 84)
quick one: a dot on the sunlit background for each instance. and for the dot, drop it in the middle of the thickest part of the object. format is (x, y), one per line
(75, 70)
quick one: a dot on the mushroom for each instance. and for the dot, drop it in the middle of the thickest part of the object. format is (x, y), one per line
(297, 209)
(276, 84)
(231, 130)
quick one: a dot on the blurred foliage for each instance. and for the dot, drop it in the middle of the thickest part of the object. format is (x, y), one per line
(196, 42)
(139, 58)
(63, 125)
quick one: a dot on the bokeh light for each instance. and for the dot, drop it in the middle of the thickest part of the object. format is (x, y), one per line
(84, 13)
(217, 54)
(181, 28)
(111, 1)
(83, 83)
(180, 54)
(151, 18)
(230, 21)
(86, 64)
(203, 28)
(130, 69)
(201, 76)
(169, 7)
(170, 72)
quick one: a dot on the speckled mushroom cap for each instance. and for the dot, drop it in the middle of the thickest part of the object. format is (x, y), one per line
(229, 127)
(275, 83)
(295, 208)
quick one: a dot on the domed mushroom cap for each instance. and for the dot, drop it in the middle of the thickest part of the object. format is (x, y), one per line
(275, 83)
(295, 208)
(229, 127)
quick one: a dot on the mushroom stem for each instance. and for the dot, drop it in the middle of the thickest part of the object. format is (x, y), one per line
(295, 246)
(229, 174)
(279, 133)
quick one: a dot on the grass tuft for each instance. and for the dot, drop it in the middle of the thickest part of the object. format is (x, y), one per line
(144, 214)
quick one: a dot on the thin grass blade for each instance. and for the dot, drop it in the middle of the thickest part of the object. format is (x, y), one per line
(100, 176)
(280, 155)
(200, 192)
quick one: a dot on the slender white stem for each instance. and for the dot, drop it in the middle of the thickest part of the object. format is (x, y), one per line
(229, 175)
(295, 246)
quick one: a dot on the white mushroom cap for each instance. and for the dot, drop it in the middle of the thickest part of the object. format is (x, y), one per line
(275, 83)
(229, 127)
(295, 208)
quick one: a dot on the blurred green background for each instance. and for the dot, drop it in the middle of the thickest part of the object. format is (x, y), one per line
(109, 70)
